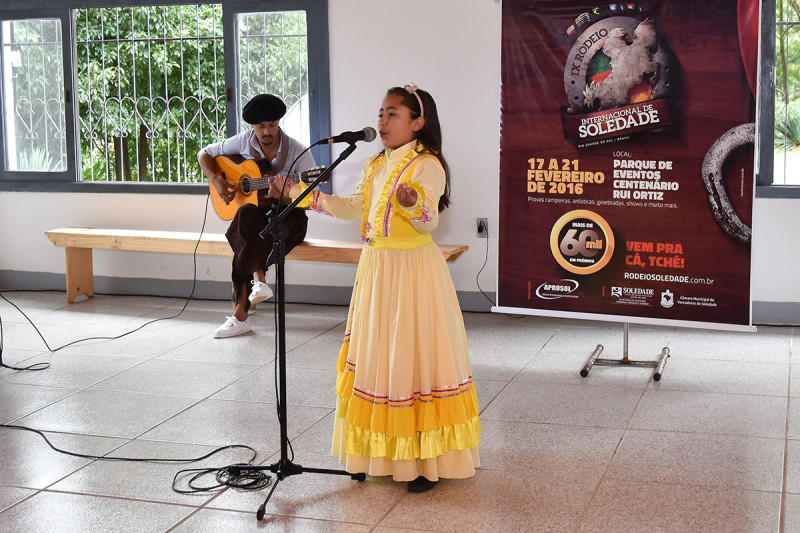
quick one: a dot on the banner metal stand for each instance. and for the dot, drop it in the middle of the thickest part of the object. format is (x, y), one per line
(595, 359)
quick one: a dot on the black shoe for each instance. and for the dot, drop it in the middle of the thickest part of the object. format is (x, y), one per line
(421, 484)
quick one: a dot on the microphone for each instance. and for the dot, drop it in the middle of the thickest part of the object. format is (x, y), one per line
(367, 134)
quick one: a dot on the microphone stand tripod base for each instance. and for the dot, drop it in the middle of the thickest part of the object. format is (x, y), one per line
(285, 468)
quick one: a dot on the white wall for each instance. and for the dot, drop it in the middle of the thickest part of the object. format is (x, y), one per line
(776, 255)
(387, 46)
(443, 47)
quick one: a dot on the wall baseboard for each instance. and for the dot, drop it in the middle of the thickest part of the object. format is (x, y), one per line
(764, 313)
(203, 290)
(776, 313)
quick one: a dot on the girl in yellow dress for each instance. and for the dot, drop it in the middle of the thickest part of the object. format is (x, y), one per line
(406, 400)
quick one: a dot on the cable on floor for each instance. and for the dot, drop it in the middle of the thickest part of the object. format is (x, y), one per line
(44, 365)
(226, 476)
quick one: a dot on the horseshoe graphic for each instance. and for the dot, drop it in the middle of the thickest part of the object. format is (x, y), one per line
(712, 179)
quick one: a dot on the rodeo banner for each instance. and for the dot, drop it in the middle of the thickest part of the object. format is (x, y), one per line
(627, 160)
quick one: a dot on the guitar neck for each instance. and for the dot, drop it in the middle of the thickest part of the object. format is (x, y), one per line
(256, 184)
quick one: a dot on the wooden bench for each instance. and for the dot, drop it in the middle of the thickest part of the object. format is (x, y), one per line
(79, 242)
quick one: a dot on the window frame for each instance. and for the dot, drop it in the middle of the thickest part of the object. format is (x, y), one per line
(765, 112)
(67, 181)
(41, 178)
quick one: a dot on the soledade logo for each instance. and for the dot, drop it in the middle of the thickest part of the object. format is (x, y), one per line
(582, 242)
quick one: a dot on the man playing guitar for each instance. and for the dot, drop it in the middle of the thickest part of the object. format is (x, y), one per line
(263, 141)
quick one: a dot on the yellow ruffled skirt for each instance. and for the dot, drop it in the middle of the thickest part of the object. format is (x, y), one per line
(406, 401)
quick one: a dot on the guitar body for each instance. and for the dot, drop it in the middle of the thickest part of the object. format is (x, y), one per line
(251, 180)
(238, 175)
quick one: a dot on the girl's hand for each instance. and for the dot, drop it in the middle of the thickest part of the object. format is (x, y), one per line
(281, 184)
(406, 196)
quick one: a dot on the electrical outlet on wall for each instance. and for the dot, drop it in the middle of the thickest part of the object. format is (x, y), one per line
(482, 225)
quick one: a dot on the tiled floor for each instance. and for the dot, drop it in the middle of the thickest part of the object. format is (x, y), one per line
(713, 446)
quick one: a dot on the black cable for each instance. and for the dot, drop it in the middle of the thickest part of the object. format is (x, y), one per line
(485, 260)
(34, 367)
(227, 476)
(42, 366)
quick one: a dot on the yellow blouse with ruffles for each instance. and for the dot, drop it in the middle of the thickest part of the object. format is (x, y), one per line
(374, 199)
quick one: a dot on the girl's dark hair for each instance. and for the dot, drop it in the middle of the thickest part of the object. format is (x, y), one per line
(431, 133)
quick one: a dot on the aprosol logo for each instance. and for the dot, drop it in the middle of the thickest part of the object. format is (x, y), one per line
(554, 290)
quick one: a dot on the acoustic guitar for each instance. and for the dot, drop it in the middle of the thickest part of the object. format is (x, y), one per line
(251, 179)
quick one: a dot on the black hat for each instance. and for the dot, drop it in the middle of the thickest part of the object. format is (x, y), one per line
(263, 108)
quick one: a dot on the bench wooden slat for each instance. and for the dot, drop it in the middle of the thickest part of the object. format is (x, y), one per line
(79, 243)
(174, 242)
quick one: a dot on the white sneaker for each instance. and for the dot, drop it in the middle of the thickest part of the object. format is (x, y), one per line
(260, 292)
(231, 328)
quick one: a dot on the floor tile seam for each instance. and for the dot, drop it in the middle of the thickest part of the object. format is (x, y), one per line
(206, 397)
(727, 393)
(162, 357)
(153, 394)
(98, 494)
(119, 498)
(250, 366)
(516, 374)
(171, 417)
(705, 433)
(269, 454)
(547, 423)
(144, 360)
(182, 520)
(660, 387)
(318, 335)
(704, 486)
(633, 428)
(509, 381)
(205, 507)
(742, 361)
(593, 496)
(80, 388)
(286, 515)
(90, 459)
(256, 402)
(73, 393)
(26, 498)
(642, 430)
(582, 384)
(388, 512)
(729, 360)
(782, 519)
(300, 435)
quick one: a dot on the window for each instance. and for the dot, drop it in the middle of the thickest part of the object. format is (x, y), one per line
(151, 90)
(153, 85)
(787, 94)
(33, 95)
(779, 101)
(273, 57)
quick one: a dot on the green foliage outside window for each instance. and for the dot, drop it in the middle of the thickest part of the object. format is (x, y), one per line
(151, 90)
(151, 84)
(787, 76)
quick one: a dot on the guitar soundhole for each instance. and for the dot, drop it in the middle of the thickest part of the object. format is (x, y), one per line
(246, 186)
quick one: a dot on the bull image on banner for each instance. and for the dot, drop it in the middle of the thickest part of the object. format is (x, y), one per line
(626, 167)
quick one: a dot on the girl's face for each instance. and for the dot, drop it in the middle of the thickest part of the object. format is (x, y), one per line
(395, 125)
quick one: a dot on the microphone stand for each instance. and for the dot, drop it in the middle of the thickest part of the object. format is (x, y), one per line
(284, 467)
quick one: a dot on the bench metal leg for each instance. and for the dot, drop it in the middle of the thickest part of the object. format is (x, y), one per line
(80, 277)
